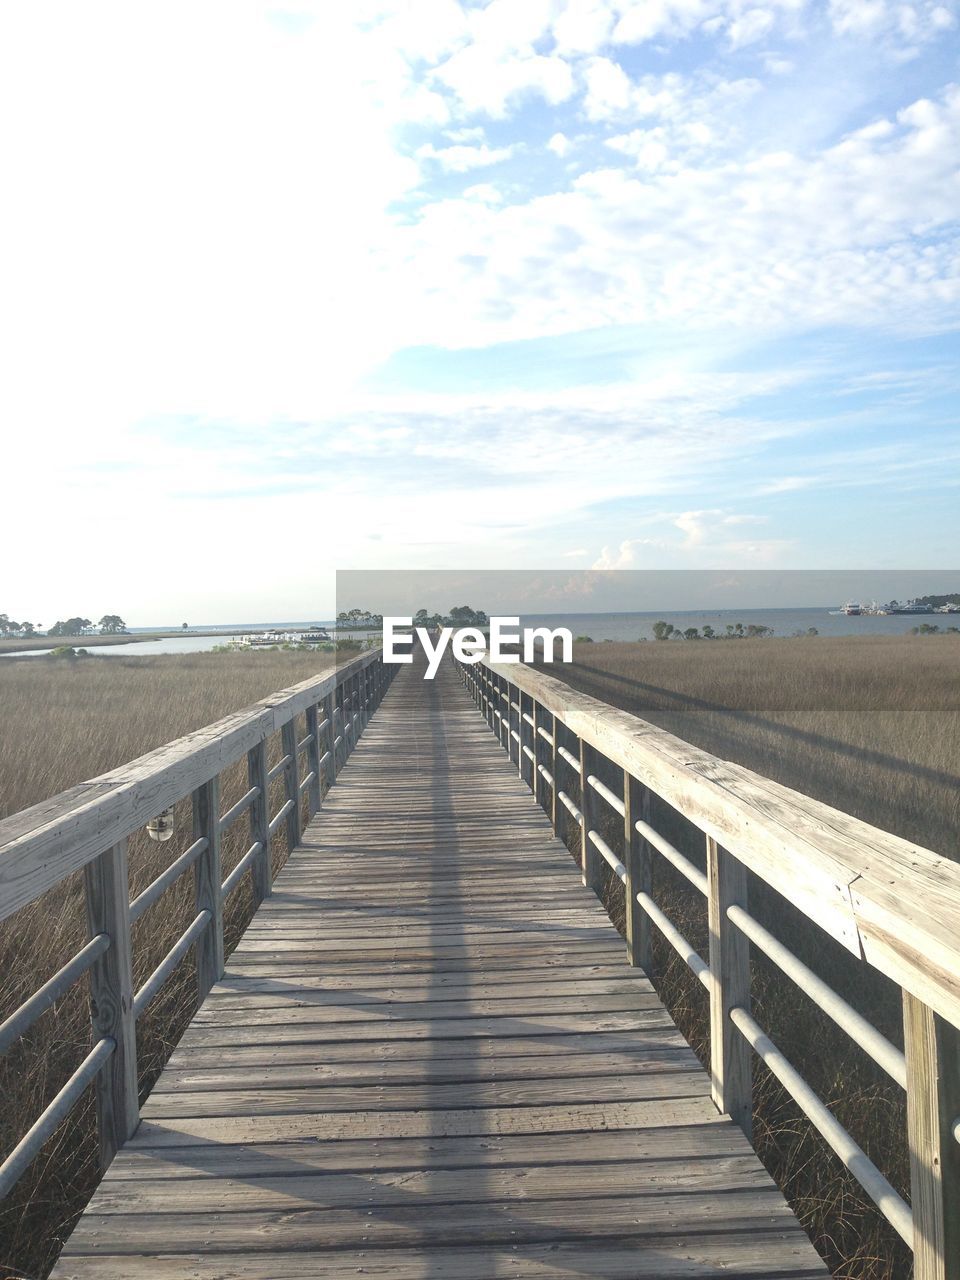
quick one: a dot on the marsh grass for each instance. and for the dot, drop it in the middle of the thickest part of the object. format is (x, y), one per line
(870, 725)
(64, 722)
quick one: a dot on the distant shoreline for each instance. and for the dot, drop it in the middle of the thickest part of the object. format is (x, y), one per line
(22, 645)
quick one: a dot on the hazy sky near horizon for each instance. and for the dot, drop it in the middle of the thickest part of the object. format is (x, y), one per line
(558, 284)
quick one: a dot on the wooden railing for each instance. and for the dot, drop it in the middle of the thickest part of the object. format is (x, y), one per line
(893, 905)
(88, 828)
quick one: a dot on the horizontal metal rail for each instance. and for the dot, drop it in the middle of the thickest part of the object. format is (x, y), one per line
(892, 1205)
(165, 879)
(22, 1019)
(278, 768)
(571, 760)
(53, 1116)
(570, 807)
(609, 856)
(235, 811)
(674, 856)
(280, 815)
(863, 1033)
(170, 962)
(238, 872)
(676, 939)
(612, 799)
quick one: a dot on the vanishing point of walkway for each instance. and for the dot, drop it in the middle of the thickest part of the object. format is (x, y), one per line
(428, 1058)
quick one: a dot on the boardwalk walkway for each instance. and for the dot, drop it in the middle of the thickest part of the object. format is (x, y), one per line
(428, 1058)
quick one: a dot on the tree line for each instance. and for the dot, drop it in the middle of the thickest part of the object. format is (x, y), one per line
(110, 624)
(733, 631)
(461, 615)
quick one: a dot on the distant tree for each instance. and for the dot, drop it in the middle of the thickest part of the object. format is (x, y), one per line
(420, 618)
(754, 630)
(663, 630)
(691, 633)
(708, 632)
(812, 631)
(111, 623)
(583, 640)
(183, 626)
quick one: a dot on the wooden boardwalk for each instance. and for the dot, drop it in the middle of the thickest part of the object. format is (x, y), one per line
(428, 1058)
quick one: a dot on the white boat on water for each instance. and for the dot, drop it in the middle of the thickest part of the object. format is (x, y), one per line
(852, 609)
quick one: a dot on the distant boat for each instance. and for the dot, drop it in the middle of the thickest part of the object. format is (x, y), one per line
(852, 609)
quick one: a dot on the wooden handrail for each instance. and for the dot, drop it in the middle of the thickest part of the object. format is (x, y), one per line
(892, 904)
(88, 826)
(42, 845)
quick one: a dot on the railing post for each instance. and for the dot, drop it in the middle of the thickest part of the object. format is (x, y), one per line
(523, 729)
(329, 714)
(590, 860)
(730, 1054)
(260, 821)
(339, 724)
(638, 862)
(208, 878)
(932, 1048)
(107, 893)
(538, 783)
(554, 761)
(291, 781)
(314, 791)
(513, 745)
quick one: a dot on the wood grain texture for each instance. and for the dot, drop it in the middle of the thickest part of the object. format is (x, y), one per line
(428, 1058)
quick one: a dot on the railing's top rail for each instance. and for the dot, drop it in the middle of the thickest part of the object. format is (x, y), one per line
(892, 903)
(42, 845)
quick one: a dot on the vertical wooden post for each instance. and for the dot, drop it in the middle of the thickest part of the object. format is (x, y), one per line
(260, 821)
(329, 714)
(291, 781)
(555, 759)
(538, 782)
(522, 735)
(207, 879)
(730, 1054)
(514, 745)
(314, 792)
(107, 893)
(932, 1048)
(639, 865)
(339, 728)
(591, 864)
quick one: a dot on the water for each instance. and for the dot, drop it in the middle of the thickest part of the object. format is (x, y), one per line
(598, 626)
(785, 622)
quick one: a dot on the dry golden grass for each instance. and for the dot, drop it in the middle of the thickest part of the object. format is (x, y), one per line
(870, 725)
(64, 722)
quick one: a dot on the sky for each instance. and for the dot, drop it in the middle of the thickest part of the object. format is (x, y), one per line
(543, 284)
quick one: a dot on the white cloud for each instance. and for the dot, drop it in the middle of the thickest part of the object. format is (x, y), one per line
(750, 26)
(560, 145)
(583, 26)
(489, 81)
(460, 159)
